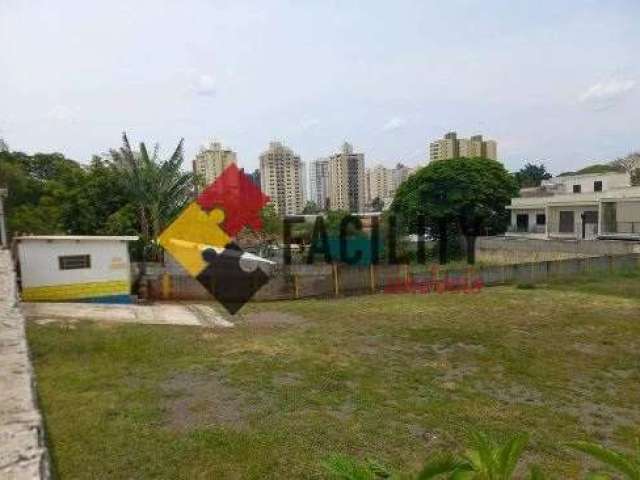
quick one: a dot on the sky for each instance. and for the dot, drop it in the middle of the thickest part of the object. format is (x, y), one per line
(551, 81)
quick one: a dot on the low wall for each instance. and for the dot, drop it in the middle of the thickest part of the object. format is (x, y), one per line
(510, 250)
(22, 451)
(299, 281)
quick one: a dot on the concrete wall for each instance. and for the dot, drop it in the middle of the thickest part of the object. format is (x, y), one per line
(334, 280)
(510, 250)
(22, 451)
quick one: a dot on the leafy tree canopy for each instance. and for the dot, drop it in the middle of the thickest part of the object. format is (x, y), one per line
(468, 194)
(532, 175)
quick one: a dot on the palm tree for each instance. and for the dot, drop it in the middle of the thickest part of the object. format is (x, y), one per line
(486, 460)
(157, 188)
(627, 465)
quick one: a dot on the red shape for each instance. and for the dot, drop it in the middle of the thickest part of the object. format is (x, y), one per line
(239, 198)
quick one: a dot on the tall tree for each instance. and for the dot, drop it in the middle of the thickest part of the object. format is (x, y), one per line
(157, 188)
(532, 175)
(466, 194)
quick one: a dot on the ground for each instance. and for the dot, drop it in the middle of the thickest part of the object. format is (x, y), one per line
(392, 377)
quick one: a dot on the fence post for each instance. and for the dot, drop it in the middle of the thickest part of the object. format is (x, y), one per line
(296, 291)
(166, 285)
(336, 284)
(406, 275)
(372, 278)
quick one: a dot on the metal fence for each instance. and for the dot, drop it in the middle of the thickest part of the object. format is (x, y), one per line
(300, 281)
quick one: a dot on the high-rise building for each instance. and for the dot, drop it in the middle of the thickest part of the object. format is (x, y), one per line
(450, 146)
(255, 177)
(212, 160)
(319, 182)
(399, 174)
(380, 183)
(281, 176)
(346, 180)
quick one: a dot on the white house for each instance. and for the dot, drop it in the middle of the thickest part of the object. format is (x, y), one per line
(588, 206)
(74, 268)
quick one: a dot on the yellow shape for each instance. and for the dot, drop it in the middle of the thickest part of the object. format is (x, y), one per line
(194, 226)
(75, 291)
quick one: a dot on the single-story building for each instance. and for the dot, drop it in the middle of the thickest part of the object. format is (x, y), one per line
(589, 206)
(74, 268)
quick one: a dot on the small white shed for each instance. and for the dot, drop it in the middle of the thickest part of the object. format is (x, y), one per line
(74, 268)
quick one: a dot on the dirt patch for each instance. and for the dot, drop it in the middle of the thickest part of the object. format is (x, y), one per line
(269, 319)
(204, 400)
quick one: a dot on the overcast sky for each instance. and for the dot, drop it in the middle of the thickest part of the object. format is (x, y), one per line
(557, 81)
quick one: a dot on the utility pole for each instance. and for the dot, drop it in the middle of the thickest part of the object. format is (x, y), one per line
(3, 225)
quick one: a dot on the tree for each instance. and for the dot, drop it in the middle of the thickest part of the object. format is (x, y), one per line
(38, 185)
(4, 147)
(157, 188)
(377, 205)
(468, 195)
(630, 164)
(532, 175)
(310, 208)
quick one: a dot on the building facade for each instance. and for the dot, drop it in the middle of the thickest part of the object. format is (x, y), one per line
(582, 207)
(380, 184)
(74, 268)
(211, 161)
(450, 146)
(346, 180)
(281, 177)
(319, 182)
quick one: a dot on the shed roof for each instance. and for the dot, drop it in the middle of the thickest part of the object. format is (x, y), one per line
(79, 238)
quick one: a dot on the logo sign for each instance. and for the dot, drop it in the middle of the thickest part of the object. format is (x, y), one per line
(201, 239)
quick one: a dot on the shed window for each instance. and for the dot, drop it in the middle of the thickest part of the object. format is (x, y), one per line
(541, 219)
(73, 262)
(597, 186)
(577, 188)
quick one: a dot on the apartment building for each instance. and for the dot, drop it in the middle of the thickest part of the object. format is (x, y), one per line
(379, 184)
(382, 182)
(346, 180)
(281, 177)
(583, 207)
(212, 160)
(450, 146)
(319, 182)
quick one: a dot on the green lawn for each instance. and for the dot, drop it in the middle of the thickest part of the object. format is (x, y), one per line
(392, 377)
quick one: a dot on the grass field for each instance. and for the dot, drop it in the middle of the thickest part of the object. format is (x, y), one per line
(392, 377)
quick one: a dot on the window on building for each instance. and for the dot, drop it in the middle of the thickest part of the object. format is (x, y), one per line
(577, 188)
(567, 222)
(541, 219)
(73, 262)
(597, 186)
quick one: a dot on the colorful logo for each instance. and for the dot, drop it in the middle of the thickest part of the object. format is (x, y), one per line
(201, 239)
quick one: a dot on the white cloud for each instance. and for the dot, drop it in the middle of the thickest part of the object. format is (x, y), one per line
(205, 85)
(309, 123)
(62, 113)
(394, 123)
(606, 94)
